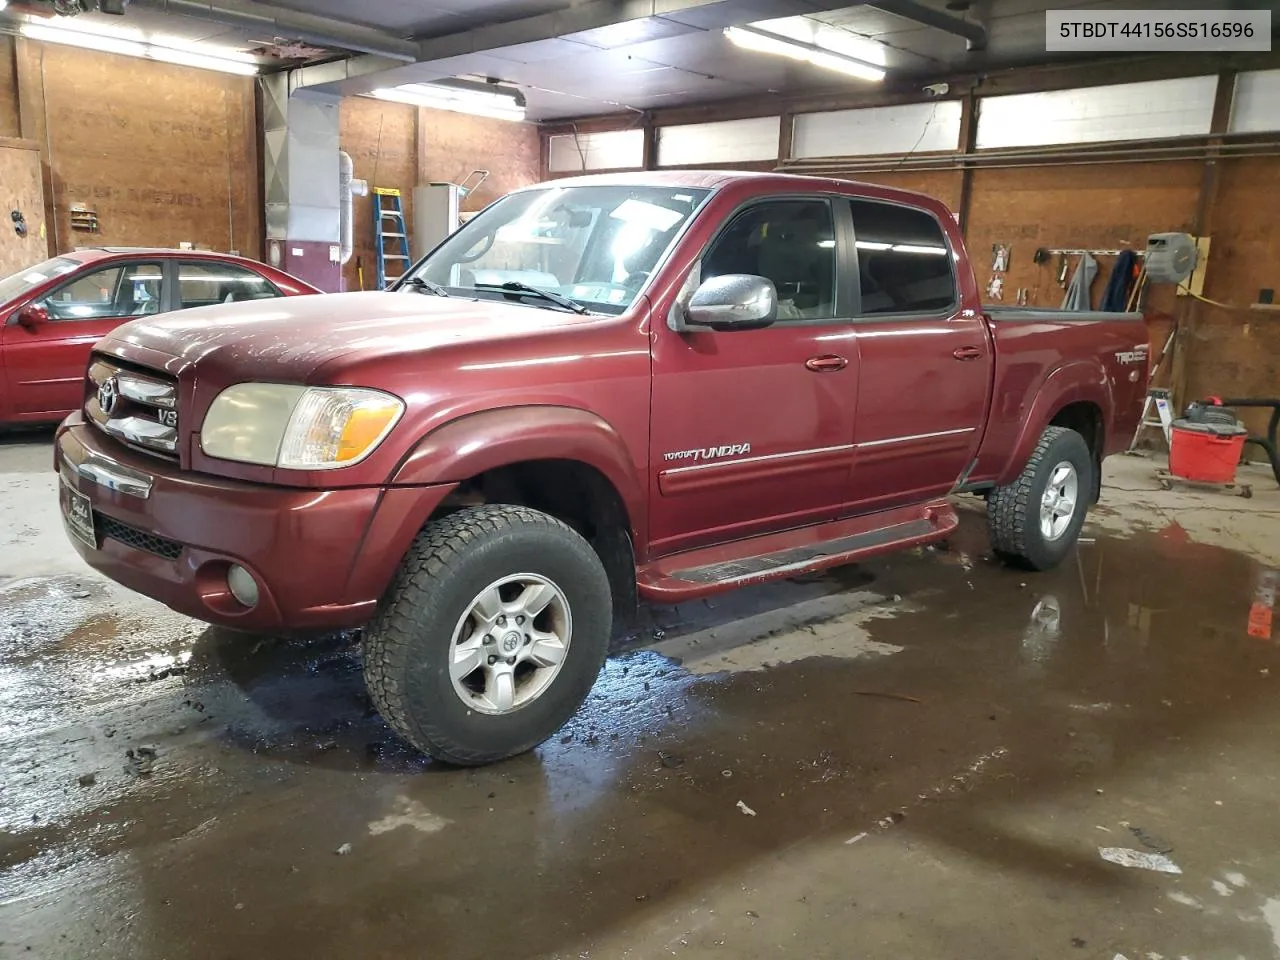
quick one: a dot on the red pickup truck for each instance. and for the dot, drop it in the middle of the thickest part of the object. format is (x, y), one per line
(643, 386)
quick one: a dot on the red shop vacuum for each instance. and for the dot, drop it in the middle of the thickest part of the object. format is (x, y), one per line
(1207, 442)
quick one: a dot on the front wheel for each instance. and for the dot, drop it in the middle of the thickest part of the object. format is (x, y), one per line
(1035, 520)
(491, 635)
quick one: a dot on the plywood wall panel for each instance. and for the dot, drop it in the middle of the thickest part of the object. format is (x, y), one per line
(21, 189)
(160, 152)
(1093, 206)
(451, 145)
(1237, 351)
(381, 138)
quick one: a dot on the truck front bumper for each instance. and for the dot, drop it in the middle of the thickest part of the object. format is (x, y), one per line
(319, 558)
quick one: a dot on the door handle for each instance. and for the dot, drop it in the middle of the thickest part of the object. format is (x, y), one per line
(828, 363)
(966, 353)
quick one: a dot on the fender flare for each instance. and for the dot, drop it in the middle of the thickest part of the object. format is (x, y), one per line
(488, 439)
(1080, 380)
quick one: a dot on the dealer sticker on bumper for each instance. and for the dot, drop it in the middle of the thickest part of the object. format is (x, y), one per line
(77, 511)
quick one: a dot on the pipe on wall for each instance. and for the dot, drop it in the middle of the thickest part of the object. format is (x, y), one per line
(1048, 158)
(348, 188)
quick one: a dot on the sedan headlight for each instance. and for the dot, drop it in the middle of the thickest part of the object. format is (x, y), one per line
(298, 428)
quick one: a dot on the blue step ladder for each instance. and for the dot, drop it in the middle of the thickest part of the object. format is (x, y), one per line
(391, 236)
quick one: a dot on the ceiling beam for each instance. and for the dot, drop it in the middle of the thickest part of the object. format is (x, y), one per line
(974, 33)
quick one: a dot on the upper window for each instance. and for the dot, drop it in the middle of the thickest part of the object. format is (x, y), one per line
(204, 283)
(790, 242)
(596, 245)
(904, 264)
(126, 290)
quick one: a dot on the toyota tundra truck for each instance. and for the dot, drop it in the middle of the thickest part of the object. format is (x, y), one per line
(599, 391)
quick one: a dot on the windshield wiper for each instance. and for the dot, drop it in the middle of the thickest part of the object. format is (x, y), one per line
(519, 286)
(422, 285)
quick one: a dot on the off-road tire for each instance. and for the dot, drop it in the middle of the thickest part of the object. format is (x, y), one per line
(407, 646)
(1013, 511)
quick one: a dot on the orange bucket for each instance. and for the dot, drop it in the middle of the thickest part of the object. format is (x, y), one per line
(1208, 452)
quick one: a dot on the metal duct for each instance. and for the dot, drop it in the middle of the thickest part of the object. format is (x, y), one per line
(260, 17)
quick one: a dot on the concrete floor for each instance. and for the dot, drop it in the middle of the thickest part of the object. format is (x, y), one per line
(917, 757)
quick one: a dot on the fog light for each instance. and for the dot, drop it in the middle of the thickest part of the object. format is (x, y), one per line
(243, 587)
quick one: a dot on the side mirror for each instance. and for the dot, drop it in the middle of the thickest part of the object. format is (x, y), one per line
(736, 301)
(32, 316)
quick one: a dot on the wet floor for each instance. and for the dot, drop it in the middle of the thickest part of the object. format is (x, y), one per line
(918, 756)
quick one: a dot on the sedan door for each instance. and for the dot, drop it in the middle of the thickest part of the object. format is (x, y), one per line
(45, 366)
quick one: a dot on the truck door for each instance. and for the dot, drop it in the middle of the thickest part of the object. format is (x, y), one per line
(752, 429)
(924, 354)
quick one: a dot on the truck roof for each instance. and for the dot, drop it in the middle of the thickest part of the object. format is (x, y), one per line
(716, 179)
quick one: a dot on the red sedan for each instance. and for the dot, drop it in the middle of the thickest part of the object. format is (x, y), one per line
(52, 314)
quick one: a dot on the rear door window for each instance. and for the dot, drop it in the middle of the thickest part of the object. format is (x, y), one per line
(202, 284)
(904, 263)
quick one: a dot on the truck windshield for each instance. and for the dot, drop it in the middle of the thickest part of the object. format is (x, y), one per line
(596, 245)
(17, 284)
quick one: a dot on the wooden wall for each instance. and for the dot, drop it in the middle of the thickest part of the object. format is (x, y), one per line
(452, 145)
(1094, 206)
(163, 154)
(382, 139)
(9, 125)
(1237, 352)
(400, 146)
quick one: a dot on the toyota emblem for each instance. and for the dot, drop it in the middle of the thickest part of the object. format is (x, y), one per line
(108, 393)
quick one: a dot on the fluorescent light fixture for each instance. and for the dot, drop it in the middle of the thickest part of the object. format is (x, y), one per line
(807, 51)
(915, 248)
(172, 50)
(202, 61)
(75, 38)
(481, 103)
(901, 247)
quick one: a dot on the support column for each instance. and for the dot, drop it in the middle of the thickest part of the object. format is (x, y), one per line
(300, 170)
(28, 68)
(968, 138)
(1187, 311)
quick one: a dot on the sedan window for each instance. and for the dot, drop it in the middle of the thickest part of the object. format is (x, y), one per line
(204, 284)
(116, 292)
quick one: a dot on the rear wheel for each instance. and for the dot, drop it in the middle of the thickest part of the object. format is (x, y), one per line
(1035, 520)
(491, 635)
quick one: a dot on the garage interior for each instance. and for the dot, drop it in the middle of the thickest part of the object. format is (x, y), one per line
(924, 754)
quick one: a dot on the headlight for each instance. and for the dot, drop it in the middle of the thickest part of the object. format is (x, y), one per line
(299, 428)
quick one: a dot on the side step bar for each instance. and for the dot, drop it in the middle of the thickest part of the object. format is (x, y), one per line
(776, 556)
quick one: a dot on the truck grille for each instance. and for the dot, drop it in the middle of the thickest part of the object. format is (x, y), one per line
(136, 407)
(138, 539)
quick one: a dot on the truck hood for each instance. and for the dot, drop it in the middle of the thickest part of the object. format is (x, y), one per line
(290, 338)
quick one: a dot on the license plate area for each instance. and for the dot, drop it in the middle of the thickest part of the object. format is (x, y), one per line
(77, 513)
